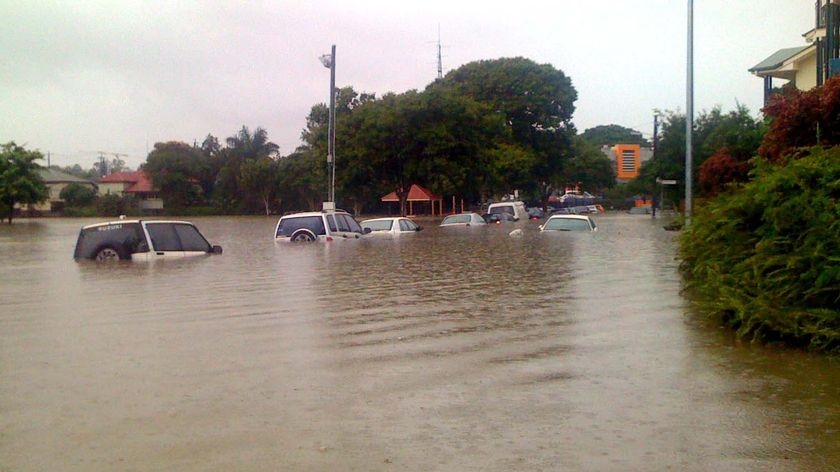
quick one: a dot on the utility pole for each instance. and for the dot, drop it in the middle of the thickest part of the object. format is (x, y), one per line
(689, 112)
(329, 61)
(655, 132)
(439, 60)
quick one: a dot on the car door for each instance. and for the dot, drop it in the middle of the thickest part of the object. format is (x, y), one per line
(165, 241)
(192, 241)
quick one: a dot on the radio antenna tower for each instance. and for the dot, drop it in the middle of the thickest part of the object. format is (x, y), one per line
(440, 61)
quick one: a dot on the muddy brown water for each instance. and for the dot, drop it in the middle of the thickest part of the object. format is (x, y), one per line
(452, 349)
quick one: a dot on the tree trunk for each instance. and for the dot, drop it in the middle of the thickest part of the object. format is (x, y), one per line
(267, 206)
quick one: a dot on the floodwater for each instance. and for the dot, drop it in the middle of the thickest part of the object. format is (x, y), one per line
(452, 349)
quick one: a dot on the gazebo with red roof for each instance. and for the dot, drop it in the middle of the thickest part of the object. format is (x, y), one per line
(417, 194)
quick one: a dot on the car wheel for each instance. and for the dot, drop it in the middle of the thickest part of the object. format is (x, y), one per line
(108, 253)
(303, 236)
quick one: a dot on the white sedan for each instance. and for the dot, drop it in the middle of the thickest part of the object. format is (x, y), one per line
(397, 225)
(569, 223)
(463, 219)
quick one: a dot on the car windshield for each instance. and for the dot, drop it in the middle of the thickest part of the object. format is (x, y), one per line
(456, 219)
(567, 224)
(378, 225)
(313, 223)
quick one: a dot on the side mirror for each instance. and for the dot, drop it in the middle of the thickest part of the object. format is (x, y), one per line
(366, 230)
(216, 249)
(419, 228)
(541, 226)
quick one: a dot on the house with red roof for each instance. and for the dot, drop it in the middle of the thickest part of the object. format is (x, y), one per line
(135, 183)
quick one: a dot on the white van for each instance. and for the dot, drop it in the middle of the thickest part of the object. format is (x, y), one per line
(514, 208)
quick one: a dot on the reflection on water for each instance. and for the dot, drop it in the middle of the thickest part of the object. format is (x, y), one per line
(450, 349)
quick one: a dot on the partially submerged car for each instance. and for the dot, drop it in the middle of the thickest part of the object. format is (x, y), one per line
(393, 226)
(141, 240)
(323, 226)
(463, 219)
(516, 209)
(569, 223)
(498, 218)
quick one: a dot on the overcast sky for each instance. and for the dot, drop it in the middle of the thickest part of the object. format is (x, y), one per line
(77, 77)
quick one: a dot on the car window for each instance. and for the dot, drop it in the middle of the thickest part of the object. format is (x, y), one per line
(456, 219)
(313, 223)
(378, 225)
(407, 225)
(353, 224)
(331, 223)
(501, 209)
(347, 223)
(191, 239)
(164, 237)
(342, 223)
(127, 235)
(567, 224)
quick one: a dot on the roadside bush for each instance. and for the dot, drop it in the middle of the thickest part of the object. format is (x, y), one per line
(78, 195)
(765, 258)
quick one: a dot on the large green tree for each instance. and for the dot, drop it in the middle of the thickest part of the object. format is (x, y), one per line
(78, 195)
(243, 147)
(261, 178)
(174, 168)
(20, 182)
(736, 132)
(537, 102)
(439, 138)
(589, 167)
(610, 135)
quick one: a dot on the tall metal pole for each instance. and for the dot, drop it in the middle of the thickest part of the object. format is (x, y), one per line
(689, 112)
(332, 126)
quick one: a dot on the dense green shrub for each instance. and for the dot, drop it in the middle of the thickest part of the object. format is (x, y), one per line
(765, 258)
(78, 195)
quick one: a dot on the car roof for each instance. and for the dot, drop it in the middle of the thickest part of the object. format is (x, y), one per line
(395, 218)
(312, 213)
(568, 217)
(119, 222)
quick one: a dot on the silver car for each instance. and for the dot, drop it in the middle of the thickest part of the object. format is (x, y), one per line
(463, 219)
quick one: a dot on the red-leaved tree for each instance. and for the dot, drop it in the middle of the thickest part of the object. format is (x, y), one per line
(801, 119)
(720, 169)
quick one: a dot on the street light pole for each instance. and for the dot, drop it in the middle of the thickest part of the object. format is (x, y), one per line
(689, 112)
(329, 61)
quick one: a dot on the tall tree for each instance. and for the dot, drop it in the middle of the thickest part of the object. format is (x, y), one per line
(241, 147)
(252, 146)
(174, 168)
(537, 102)
(261, 178)
(19, 178)
(735, 133)
(610, 135)
(589, 167)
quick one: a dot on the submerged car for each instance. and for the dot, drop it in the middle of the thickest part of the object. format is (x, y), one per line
(323, 226)
(516, 209)
(498, 218)
(463, 219)
(397, 225)
(141, 240)
(569, 223)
